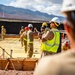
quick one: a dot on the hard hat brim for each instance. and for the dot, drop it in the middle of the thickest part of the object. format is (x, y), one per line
(67, 9)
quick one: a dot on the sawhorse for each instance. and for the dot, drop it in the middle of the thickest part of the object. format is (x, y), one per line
(9, 61)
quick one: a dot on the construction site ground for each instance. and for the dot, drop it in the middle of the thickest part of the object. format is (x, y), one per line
(18, 51)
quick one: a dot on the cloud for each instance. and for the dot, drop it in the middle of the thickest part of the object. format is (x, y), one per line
(56, 1)
(46, 6)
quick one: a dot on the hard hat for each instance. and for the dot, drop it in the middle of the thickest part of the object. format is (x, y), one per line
(30, 25)
(44, 24)
(2, 26)
(26, 28)
(55, 20)
(22, 27)
(68, 5)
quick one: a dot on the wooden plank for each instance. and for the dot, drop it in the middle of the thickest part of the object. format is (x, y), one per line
(19, 64)
(3, 63)
(16, 63)
(29, 64)
(0, 64)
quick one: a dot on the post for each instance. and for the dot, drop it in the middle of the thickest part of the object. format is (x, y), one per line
(11, 53)
(3, 53)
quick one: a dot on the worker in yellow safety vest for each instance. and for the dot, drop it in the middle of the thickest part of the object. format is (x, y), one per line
(21, 31)
(3, 32)
(51, 39)
(30, 41)
(24, 37)
(44, 28)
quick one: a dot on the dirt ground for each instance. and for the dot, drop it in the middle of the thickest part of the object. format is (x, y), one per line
(18, 51)
(13, 72)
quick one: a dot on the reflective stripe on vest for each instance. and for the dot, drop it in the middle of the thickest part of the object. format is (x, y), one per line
(52, 45)
(25, 39)
(29, 42)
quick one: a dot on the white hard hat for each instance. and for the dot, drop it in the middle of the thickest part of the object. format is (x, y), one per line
(30, 25)
(55, 19)
(68, 5)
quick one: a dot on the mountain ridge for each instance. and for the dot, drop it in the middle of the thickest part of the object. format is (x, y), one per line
(21, 13)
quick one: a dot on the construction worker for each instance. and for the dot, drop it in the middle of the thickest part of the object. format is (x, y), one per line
(43, 29)
(36, 33)
(51, 39)
(30, 41)
(62, 63)
(21, 31)
(44, 24)
(66, 44)
(3, 32)
(42, 32)
(24, 37)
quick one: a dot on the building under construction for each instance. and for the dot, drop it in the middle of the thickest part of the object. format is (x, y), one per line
(13, 26)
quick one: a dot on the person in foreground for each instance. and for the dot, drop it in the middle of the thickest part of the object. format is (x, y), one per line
(62, 63)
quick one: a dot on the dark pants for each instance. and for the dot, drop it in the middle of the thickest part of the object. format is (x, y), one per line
(25, 46)
(59, 49)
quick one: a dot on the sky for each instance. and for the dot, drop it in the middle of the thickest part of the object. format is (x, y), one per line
(46, 6)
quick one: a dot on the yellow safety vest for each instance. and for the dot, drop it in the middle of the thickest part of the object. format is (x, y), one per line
(27, 41)
(29, 33)
(25, 36)
(52, 45)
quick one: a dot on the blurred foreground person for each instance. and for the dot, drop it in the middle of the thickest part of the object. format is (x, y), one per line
(3, 32)
(24, 37)
(62, 63)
